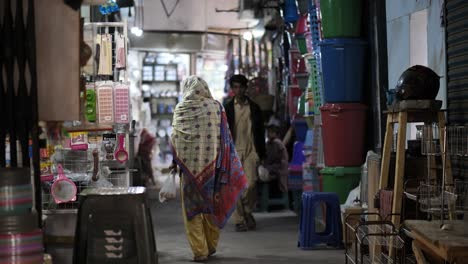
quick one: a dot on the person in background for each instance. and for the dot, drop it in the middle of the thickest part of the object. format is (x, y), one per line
(275, 164)
(212, 177)
(247, 128)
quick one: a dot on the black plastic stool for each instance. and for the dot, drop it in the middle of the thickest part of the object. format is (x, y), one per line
(114, 226)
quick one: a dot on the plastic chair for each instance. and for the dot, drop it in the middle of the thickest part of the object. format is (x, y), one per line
(331, 235)
(114, 226)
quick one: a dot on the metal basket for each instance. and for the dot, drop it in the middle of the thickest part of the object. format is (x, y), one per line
(456, 199)
(457, 140)
(78, 166)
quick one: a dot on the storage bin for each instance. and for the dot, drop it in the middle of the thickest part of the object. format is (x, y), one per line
(300, 128)
(301, 43)
(294, 57)
(343, 69)
(294, 92)
(343, 134)
(341, 18)
(340, 180)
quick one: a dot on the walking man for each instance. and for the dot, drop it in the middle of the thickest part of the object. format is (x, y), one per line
(247, 128)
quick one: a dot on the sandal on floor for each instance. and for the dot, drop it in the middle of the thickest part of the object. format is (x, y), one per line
(200, 259)
(241, 228)
(212, 252)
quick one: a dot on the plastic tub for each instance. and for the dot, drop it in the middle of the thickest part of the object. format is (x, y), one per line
(343, 134)
(340, 180)
(341, 18)
(343, 69)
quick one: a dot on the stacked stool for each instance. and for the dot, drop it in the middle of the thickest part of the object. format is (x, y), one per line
(114, 226)
(312, 210)
(295, 180)
(20, 237)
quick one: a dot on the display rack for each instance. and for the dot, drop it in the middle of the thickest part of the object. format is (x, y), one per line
(85, 168)
(94, 28)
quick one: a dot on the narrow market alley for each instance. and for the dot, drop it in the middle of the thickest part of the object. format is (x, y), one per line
(274, 241)
(233, 131)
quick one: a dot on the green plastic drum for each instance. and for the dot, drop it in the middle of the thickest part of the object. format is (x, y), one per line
(341, 18)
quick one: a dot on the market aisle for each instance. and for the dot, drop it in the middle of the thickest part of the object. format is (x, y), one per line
(274, 241)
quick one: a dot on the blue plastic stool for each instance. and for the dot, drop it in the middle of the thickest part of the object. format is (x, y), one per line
(332, 235)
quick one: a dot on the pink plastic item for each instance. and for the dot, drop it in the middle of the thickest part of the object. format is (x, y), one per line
(121, 154)
(121, 104)
(63, 189)
(301, 26)
(105, 104)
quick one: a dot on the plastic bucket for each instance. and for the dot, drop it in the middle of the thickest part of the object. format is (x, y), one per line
(341, 18)
(343, 134)
(294, 92)
(302, 44)
(343, 69)
(340, 180)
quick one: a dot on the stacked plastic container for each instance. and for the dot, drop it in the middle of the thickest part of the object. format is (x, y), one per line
(313, 100)
(20, 238)
(343, 115)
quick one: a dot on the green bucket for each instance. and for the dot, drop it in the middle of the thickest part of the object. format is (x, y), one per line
(301, 44)
(340, 180)
(341, 18)
(301, 105)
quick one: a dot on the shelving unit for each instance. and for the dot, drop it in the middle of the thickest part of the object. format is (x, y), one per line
(80, 165)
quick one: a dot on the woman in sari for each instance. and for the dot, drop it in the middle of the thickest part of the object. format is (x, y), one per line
(212, 177)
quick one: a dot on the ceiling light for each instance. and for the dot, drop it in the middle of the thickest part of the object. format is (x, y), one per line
(247, 35)
(139, 33)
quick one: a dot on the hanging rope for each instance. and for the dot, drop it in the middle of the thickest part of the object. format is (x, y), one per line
(169, 13)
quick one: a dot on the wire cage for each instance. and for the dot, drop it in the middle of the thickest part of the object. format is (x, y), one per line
(367, 234)
(435, 196)
(456, 199)
(78, 166)
(457, 140)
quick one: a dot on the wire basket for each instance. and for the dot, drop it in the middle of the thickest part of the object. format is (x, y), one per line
(430, 199)
(78, 166)
(457, 140)
(373, 233)
(379, 234)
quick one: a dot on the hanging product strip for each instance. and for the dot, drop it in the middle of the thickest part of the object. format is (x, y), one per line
(104, 45)
(120, 54)
(110, 48)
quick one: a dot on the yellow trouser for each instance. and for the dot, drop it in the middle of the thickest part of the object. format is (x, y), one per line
(202, 233)
(246, 204)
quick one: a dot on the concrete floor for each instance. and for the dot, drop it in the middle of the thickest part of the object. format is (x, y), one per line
(274, 241)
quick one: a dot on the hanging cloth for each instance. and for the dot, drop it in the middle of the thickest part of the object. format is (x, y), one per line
(97, 56)
(120, 62)
(105, 56)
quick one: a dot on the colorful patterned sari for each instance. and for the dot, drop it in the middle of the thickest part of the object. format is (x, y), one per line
(212, 175)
